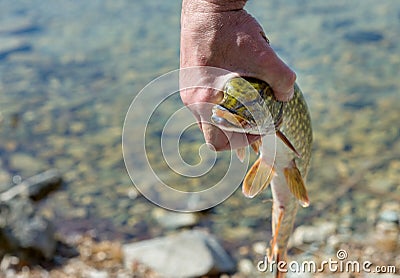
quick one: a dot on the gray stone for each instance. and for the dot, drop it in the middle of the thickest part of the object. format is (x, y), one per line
(18, 26)
(35, 187)
(363, 36)
(310, 234)
(187, 254)
(93, 273)
(174, 220)
(247, 267)
(25, 162)
(389, 216)
(24, 233)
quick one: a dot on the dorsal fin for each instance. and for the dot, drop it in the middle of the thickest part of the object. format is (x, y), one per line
(287, 142)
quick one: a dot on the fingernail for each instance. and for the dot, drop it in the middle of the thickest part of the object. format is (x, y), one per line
(291, 93)
(288, 96)
(219, 96)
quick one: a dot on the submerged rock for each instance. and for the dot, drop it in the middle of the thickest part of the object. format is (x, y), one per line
(25, 163)
(24, 233)
(35, 187)
(175, 220)
(187, 254)
(363, 36)
(387, 229)
(18, 26)
(9, 46)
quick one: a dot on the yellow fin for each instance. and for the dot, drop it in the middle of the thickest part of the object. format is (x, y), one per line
(277, 253)
(241, 154)
(257, 178)
(256, 146)
(273, 251)
(296, 184)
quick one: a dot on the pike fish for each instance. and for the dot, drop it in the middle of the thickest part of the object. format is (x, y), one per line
(249, 106)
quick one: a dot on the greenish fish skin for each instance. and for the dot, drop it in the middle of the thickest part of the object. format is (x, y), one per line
(291, 118)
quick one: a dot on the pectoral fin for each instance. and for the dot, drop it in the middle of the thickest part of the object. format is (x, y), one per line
(256, 146)
(296, 184)
(257, 178)
(241, 154)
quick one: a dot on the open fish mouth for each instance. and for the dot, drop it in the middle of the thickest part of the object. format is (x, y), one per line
(229, 121)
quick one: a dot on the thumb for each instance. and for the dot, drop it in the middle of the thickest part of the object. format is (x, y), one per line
(277, 74)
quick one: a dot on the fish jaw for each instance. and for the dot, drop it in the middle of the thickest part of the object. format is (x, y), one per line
(229, 121)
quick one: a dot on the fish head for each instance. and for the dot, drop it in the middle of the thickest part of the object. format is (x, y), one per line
(245, 107)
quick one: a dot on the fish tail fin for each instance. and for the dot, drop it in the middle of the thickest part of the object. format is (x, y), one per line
(277, 252)
(257, 178)
(276, 224)
(278, 255)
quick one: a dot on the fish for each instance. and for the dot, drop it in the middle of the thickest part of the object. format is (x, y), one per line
(284, 150)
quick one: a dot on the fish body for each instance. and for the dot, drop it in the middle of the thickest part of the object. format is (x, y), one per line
(284, 150)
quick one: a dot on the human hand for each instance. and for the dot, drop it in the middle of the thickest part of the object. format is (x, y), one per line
(220, 33)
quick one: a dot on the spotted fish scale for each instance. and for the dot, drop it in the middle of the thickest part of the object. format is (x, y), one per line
(249, 103)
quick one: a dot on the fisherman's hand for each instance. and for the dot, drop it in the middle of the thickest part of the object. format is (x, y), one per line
(220, 33)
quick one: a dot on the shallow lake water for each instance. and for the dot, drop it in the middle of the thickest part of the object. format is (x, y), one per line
(69, 70)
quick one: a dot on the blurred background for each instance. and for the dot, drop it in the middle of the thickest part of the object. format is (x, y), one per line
(69, 70)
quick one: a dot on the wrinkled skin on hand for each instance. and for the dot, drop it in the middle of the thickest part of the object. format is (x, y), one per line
(220, 33)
